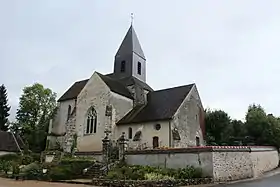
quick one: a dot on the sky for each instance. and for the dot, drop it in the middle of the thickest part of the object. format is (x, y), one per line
(230, 49)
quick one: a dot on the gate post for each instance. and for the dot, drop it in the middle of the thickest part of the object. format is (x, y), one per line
(122, 147)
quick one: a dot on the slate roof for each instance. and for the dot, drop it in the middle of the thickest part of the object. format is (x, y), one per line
(161, 105)
(73, 91)
(115, 85)
(8, 142)
(130, 42)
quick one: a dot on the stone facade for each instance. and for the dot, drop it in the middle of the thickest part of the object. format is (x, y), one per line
(186, 121)
(96, 94)
(221, 163)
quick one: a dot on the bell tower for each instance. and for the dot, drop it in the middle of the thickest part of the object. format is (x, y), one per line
(130, 59)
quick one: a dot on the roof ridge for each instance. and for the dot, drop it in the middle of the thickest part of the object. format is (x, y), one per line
(81, 80)
(165, 89)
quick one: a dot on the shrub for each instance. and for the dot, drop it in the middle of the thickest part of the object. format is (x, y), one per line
(10, 157)
(60, 173)
(32, 171)
(5, 165)
(69, 168)
(136, 172)
(26, 159)
(36, 156)
(157, 176)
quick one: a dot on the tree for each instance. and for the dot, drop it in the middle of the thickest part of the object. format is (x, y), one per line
(36, 107)
(4, 108)
(218, 126)
(238, 128)
(256, 123)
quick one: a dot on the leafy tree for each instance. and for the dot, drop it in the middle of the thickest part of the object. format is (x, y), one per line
(4, 108)
(36, 107)
(238, 128)
(218, 126)
(256, 123)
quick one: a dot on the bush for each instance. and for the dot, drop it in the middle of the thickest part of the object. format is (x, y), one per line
(32, 171)
(152, 173)
(26, 159)
(5, 165)
(60, 173)
(10, 157)
(157, 176)
(36, 156)
(69, 168)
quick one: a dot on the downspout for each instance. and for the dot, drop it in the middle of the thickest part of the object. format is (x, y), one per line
(170, 131)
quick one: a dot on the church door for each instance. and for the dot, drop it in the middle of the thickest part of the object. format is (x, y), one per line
(155, 142)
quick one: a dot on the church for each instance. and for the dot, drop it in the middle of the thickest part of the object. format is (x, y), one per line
(123, 102)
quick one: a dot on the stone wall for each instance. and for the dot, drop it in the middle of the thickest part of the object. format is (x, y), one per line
(263, 159)
(220, 162)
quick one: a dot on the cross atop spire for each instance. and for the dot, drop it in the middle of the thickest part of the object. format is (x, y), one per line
(131, 17)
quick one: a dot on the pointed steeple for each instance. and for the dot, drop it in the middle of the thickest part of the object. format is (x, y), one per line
(130, 60)
(130, 44)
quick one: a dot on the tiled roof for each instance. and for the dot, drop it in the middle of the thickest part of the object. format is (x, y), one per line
(161, 105)
(10, 142)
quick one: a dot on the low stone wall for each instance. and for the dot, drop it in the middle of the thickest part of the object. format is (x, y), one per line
(264, 159)
(159, 183)
(223, 163)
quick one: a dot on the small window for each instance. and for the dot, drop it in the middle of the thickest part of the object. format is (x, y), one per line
(123, 66)
(197, 141)
(69, 112)
(130, 133)
(196, 117)
(139, 68)
(157, 127)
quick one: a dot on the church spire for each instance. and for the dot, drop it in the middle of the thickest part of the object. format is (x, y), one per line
(130, 60)
(130, 44)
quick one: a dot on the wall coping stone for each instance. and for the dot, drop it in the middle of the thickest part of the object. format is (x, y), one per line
(201, 149)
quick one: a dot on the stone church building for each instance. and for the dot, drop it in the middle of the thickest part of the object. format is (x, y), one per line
(122, 101)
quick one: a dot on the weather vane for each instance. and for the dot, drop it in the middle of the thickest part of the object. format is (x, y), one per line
(131, 17)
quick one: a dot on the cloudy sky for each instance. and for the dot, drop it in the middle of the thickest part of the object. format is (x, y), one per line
(230, 49)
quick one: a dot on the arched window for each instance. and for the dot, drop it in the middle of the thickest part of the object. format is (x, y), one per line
(91, 124)
(130, 133)
(69, 112)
